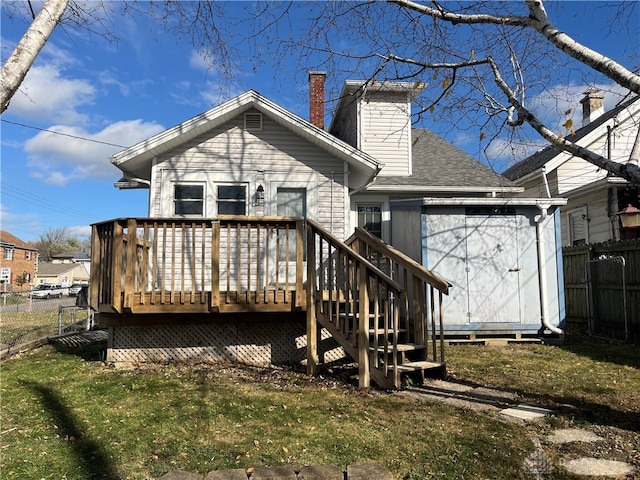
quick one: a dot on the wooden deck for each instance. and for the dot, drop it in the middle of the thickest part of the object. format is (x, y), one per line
(382, 308)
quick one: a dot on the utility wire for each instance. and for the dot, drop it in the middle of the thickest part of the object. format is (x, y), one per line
(43, 202)
(63, 134)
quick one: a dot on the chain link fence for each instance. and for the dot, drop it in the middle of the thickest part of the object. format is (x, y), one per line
(26, 321)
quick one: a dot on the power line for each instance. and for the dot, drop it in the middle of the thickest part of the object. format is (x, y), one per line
(62, 134)
(43, 202)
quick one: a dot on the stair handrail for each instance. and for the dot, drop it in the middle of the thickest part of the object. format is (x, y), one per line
(364, 358)
(408, 263)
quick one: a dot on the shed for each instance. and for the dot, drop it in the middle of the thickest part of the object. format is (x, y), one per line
(501, 255)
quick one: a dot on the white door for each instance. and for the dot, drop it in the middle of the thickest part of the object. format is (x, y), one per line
(492, 269)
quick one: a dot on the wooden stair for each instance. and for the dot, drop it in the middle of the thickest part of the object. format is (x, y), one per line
(381, 306)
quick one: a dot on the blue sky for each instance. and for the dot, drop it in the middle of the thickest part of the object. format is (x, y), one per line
(117, 93)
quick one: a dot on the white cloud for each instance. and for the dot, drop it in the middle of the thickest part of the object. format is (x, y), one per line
(46, 96)
(61, 158)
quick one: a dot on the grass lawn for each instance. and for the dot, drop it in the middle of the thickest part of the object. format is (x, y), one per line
(67, 415)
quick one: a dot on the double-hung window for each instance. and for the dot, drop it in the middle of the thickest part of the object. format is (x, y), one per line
(232, 200)
(188, 199)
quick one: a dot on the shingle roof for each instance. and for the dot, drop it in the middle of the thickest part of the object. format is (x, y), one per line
(47, 269)
(436, 162)
(7, 237)
(538, 159)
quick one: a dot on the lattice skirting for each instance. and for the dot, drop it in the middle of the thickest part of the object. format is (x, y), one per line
(271, 343)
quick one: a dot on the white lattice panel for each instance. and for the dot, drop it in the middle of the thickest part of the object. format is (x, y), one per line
(271, 343)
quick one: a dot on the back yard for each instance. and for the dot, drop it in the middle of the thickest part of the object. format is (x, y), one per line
(65, 414)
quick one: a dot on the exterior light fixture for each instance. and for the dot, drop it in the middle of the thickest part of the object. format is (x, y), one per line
(629, 222)
(260, 195)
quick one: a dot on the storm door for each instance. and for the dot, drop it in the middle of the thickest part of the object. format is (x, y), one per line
(291, 202)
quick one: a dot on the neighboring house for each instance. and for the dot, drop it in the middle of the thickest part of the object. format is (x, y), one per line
(594, 196)
(64, 274)
(79, 256)
(251, 157)
(18, 262)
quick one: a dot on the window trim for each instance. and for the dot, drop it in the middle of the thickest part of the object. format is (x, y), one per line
(8, 254)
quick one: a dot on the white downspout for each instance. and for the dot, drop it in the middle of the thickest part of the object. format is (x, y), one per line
(542, 271)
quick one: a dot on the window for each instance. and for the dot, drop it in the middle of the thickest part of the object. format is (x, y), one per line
(8, 253)
(27, 255)
(578, 227)
(188, 199)
(370, 218)
(232, 200)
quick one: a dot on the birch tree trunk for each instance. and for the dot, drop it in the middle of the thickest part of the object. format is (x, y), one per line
(18, 64)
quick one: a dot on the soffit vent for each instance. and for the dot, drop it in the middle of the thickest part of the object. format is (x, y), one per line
(253, 122)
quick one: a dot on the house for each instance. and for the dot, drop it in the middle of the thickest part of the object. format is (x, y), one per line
(228, 192)
(594, 197)
(18, 262)
(77, 256)
(64, 274)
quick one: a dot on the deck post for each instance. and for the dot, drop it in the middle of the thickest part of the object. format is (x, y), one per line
(299, 261)
(312, 321)
(130, 262)
(97, 262)
(363, 328)
(118, 259)
(215, 267)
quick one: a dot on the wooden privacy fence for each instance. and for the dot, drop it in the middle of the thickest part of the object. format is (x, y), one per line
(594, 290)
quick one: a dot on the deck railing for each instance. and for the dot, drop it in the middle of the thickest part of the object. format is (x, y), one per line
(230, 263)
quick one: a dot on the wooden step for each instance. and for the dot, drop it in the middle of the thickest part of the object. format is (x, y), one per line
(422, 365)
(402, 347)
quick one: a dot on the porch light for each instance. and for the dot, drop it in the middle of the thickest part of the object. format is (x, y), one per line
(260, 195)
(629, 217)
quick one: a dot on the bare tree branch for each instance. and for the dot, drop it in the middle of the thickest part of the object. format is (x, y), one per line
(18, 64)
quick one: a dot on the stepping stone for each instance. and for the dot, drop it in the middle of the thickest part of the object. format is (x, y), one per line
(273, 473)
(368, 471)
(596, 467)
(235, 474)
(528, 413)
(569, 435)
(321, 472)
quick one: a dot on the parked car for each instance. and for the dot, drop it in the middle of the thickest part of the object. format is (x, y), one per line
(74, 289)
(47, 290)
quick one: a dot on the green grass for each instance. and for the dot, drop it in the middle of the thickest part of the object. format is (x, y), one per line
(66, 415)
(18, 326)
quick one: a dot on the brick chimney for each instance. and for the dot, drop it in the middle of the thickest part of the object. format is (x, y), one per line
(316, 98)
(592, 106)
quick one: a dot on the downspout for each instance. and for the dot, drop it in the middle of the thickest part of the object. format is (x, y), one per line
(542, 271)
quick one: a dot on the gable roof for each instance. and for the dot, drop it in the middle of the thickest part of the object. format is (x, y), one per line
(56, 269)
(541, 158)
(440, 166)
(136, 161)
(7, 239)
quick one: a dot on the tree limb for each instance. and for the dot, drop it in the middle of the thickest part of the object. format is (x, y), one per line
(18, 64)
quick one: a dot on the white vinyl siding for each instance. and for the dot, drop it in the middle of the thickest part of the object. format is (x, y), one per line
(229, 154)
(385, 131)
